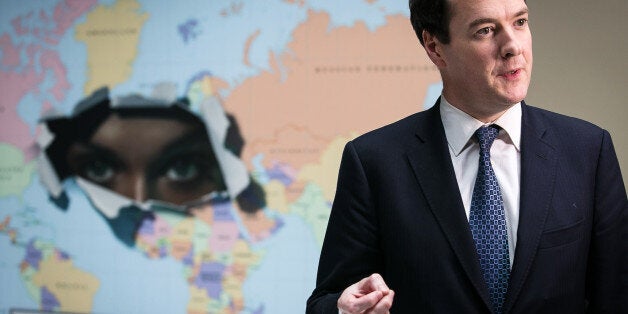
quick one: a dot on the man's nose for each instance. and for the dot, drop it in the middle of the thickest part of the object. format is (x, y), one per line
(511, 44)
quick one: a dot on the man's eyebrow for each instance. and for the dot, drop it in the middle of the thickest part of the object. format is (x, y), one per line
(481, 21)
(487, 20)
(523, 11)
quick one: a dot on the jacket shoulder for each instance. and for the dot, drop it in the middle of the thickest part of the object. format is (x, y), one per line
(395, 135)
(565, 128)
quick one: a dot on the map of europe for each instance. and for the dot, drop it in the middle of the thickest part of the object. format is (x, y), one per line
(298, 78)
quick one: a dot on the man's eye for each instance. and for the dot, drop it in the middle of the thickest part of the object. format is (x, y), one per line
(484, 31)
(182, 171)
(98, 171)
(521, 22)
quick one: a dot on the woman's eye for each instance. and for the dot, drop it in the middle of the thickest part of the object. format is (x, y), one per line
(182, 171)
(99, 171)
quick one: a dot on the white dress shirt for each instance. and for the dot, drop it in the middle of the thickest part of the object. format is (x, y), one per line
(505, 159)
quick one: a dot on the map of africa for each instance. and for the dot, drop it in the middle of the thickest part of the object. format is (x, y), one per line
(300, 77)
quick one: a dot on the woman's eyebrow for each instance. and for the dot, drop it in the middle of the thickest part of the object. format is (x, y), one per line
(88, 149)
(194, 142)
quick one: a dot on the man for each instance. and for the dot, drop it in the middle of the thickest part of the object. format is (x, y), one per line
(528, 214)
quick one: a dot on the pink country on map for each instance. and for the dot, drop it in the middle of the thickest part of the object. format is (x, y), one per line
(20, 77)
(50, 60)
(52, 28)
(10, 53)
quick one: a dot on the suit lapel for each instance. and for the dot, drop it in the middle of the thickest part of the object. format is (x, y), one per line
(432, 166)
(538, 171)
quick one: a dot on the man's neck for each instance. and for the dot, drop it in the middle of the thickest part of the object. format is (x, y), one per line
(481, 112)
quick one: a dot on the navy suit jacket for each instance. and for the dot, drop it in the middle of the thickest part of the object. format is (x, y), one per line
(398, 212)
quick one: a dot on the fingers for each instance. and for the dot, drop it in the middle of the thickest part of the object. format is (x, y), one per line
(384, 304)
(354, 305)
(371, 294)
(374, 282)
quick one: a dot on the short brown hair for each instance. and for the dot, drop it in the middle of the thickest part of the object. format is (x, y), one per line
(432, 16)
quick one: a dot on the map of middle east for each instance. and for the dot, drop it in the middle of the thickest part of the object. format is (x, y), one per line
(278, 88)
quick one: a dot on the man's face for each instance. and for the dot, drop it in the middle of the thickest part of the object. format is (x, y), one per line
(486, 67)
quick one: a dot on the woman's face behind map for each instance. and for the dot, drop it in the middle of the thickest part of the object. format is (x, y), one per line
(148, 158)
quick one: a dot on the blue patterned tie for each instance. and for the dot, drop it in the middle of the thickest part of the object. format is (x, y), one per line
(488, 223)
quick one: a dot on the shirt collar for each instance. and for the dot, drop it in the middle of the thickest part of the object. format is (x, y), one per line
(459, 126)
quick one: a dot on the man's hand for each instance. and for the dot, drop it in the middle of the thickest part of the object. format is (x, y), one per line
(370, 295)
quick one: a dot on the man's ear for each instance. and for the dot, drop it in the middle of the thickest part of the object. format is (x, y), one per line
(433, 49)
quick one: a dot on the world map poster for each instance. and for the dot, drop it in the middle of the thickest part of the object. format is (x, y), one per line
(181, 157)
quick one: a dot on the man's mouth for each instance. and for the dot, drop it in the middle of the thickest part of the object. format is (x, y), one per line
(510, 75)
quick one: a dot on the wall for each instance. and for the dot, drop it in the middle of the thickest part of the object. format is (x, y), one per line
(580, 64)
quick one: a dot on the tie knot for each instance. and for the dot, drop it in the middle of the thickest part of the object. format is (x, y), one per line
(486, 135)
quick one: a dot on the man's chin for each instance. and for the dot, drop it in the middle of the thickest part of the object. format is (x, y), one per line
(513, 98)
